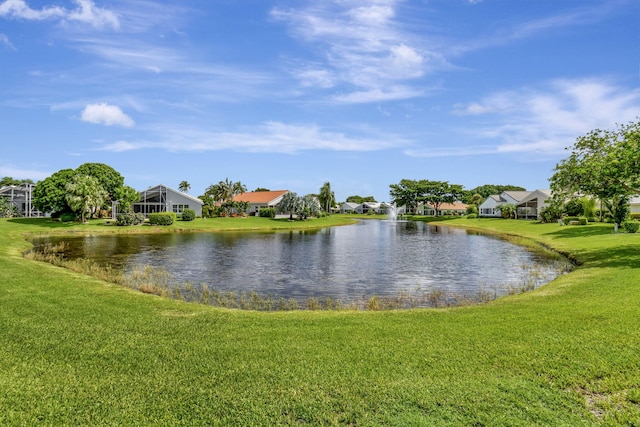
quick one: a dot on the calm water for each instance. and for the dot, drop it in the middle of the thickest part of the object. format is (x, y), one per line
(370, 258)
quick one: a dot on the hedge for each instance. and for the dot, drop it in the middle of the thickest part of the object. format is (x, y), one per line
(162, 218)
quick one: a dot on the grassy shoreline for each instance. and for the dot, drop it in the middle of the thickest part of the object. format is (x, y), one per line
(75, 350)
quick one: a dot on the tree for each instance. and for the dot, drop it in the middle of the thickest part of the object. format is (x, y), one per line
(406, 194)
(438, 192)
(410, 193)
(85, 195)
(507, 210)
(7, 180)
(108, 178)
(222, 194)
(49, 195)
(7, 209)
(309, 206)
(184, 186)
(127, 196)
(290, 203)
(360, 199)
(326, 197)
(260, 189)
(603, 164)
(489, 189)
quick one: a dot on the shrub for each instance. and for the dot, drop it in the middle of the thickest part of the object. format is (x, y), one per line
(635, 215)
(267, 212)
(472, 216)
(188, 215)
(67, 217)
(631, 226)
(550, 214)
(129, 218)
(569, 219)
(583, 220)
(162, 218)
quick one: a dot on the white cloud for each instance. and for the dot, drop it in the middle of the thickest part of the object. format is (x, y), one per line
(539, 121)
(86, 11)
(4, 40)
(106, 114)
(269, 137)
(89, 13)
(361, 46)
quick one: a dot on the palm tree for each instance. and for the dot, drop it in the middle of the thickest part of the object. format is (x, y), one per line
(290, 202)
(224, 191)
(326, 197)
(184, 186)
(85, 194)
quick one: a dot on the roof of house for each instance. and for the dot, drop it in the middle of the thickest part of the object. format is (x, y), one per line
(157, 188)
(259, 196)
(517, 195)
(455, 206)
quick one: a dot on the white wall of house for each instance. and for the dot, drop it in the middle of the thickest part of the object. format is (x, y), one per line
(488, 207)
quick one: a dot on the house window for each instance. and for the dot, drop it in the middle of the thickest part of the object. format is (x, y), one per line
(180, 208)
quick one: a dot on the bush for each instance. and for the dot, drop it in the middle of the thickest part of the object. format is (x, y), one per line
(635, 215)
(583, 220)
(550, 214)
(68, 217)
(129, 218)
(267, 212)
(472, 216)
(631, 226)
(188, 215)
(162, 218)
(569, 219)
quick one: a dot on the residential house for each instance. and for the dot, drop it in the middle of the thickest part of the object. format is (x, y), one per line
(455, 208)
(260, 199)
(634, 205)
(530, 206)
(161, 198)
(21, 197)
(528, 203)
(348, 207)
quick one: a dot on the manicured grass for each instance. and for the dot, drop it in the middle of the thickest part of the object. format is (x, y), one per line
(78, 351)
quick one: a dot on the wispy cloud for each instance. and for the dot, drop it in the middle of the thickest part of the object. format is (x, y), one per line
(542, 120)
(107, 115)
(86, 11)
(358, 44)
(4, 40)
(269, 137)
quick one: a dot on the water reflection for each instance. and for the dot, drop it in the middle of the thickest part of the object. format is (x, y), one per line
(369, 258)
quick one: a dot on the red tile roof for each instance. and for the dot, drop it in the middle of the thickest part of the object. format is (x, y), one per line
(259, 196)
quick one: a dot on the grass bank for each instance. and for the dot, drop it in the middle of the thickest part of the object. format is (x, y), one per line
(75, 350)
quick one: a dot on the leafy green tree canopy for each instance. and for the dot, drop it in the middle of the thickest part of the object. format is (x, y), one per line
(410, 193)
(360, 199)
(127, 196)
(7, 180)
(110, 179)
(49, 195)
(85, 195)
(604, 164)
(487, 190)
(326, 197)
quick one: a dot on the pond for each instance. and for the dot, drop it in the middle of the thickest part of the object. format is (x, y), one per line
(347, 263)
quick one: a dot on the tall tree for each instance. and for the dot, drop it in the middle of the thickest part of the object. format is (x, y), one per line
(85, 195)
(290, 203)
(438, 192)
(110, 179)
(49, 195)
(326, 197)
(127, 196)
(604, 164)
(184, 186)
(405, 193)
(7, 180)
(360, 199)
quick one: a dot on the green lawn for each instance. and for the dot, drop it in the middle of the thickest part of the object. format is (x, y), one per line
(78, 351)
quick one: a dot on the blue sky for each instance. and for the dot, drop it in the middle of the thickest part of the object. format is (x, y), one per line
(291, 94)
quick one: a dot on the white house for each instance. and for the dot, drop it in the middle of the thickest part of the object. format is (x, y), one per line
(260, 199)
(634, 205)
(489, 208)
(530, 206)
(348, 207)
(21, 197)
(455, 208)
(161, 198)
